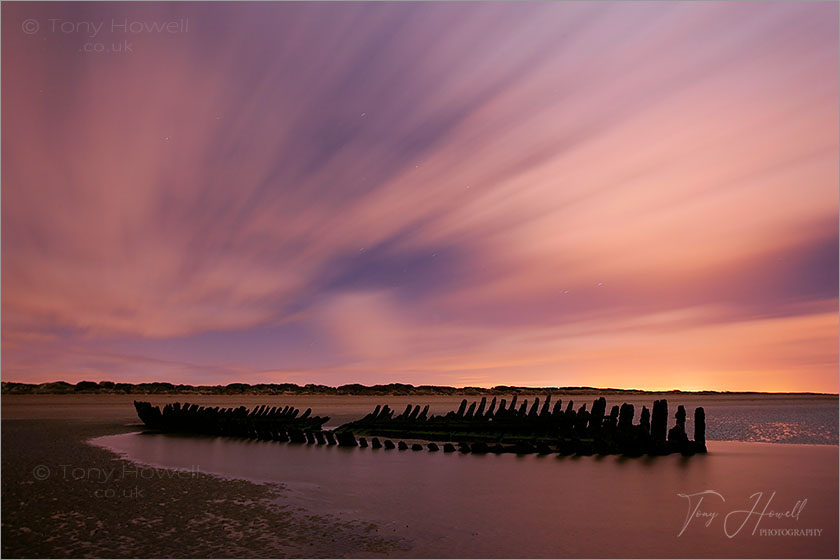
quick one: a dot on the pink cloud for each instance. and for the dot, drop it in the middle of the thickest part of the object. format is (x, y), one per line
(642, 159)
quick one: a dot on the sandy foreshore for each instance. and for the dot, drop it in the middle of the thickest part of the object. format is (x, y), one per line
(63, 498)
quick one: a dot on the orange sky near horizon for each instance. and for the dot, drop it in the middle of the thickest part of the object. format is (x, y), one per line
(611, 194)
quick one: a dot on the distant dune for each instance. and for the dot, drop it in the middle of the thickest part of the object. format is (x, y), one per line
(110, 387)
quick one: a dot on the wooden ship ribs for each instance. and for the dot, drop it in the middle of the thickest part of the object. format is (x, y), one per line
(477, 427)
(261, 422)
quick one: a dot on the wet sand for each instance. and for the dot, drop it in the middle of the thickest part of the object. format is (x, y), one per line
(57, 503)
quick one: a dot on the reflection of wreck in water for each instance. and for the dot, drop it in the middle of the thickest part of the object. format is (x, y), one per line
(477, 428)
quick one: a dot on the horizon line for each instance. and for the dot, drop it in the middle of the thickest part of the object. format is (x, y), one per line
(410, 385)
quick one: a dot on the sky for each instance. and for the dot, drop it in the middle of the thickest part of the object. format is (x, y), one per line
(630, 194)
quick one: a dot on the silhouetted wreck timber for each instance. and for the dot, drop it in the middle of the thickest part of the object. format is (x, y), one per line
(700, 430)
(476, 427)
(541, 428)
(286, 424)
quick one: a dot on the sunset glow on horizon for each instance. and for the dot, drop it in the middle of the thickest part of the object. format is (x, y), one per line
(630, 194)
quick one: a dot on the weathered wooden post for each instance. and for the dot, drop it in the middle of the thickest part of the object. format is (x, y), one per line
(625, 417)
(512, 408)
(479, 413)
(644, 420)
(414, 413)
(492, 407)
(462, 408)
(677, 438)
(596, 418)
(659, 422)
(546, 409)
(680, 417)
(627, 442)
(470, 410)
(581, 420)
(700, 429)
(535, 408)
(569, 419)
(611, 422)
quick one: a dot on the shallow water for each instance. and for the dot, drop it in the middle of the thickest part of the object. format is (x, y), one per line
(454, 505)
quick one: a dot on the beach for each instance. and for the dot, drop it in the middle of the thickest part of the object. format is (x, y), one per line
(61, 511)
(112, 490)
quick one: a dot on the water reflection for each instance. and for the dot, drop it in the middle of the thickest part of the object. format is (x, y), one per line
(528, 505)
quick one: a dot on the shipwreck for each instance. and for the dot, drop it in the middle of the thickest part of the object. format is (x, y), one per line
(477, 427)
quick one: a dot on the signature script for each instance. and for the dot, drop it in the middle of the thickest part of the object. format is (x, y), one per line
(735, 520)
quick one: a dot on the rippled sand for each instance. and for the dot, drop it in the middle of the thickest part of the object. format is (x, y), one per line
(74, 509)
